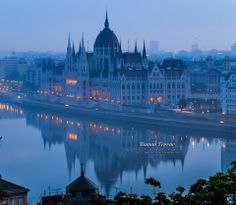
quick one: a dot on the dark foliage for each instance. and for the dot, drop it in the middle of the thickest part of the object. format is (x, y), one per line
(219, 189)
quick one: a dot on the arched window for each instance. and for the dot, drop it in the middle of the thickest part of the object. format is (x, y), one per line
(128, 86)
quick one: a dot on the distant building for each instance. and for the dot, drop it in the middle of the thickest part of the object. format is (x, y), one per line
(168, 83)
(15, 194)
(233, 49)
(195, 47)
(13, 68)
(153, 47)
(228, 93)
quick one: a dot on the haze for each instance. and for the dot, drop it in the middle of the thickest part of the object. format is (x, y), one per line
(44, 25)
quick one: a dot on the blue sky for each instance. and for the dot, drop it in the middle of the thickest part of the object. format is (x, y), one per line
(43, 25)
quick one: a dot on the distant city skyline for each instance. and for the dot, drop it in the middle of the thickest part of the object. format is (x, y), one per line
(177, 25)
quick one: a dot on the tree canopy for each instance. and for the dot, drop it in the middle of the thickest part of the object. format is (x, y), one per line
(219, 189)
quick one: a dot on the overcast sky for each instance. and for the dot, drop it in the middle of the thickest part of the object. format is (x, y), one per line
(43, 25)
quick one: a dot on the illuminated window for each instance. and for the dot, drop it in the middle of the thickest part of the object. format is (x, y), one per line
(152, 100)
(159, 100)
(71, 82)
(72, 136)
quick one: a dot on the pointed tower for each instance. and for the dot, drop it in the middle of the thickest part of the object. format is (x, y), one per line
(69, 56)
(73, 51)
(136, 47)
(144, 51)
(83, 71)
(69, 44)
(106, 24)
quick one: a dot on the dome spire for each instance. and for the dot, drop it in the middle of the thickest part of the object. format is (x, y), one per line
(106, 21)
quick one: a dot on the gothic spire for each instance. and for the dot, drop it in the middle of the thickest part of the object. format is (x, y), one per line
(69, 43)
(106, 24)
(144, 50)
(83, 40)
(136, 47)
(73, 50)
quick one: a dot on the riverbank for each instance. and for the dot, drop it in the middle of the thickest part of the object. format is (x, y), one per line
(220, 124)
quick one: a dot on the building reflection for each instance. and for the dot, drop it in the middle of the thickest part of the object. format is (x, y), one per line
(116, 149)
(113, 149)
(228, 153)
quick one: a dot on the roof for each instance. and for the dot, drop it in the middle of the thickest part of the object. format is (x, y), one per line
(106, 37)
(173, 67)
(132, 58)
(137, 74)
(12, 189)
(81, 184)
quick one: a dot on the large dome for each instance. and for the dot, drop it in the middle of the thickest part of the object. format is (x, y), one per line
(106, 37)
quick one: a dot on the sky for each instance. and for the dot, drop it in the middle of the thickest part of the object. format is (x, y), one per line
(43, 25)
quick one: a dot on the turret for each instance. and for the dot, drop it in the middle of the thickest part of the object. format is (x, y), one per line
(73, 51)
(82, 58)
(144, 51)
(136, 47)
(69, 55)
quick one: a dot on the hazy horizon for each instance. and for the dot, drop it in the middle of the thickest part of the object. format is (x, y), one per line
(44, 25)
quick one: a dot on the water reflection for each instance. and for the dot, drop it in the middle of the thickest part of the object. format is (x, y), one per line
(113, 149)
(116, 150)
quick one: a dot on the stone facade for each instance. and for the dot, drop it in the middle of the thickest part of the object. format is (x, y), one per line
(109, 76)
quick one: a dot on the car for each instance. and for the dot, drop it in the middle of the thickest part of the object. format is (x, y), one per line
(222, 122)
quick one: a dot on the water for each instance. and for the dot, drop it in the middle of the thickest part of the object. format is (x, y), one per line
(43, 152)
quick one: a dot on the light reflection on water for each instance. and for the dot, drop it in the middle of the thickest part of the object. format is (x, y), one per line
(43, 152)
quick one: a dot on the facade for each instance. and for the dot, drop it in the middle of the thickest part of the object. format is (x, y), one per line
(110, 77)
(15, 194)
(228, 94)
(13, 68)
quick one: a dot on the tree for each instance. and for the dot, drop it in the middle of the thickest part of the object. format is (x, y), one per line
(153, 182)
(219, 189)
